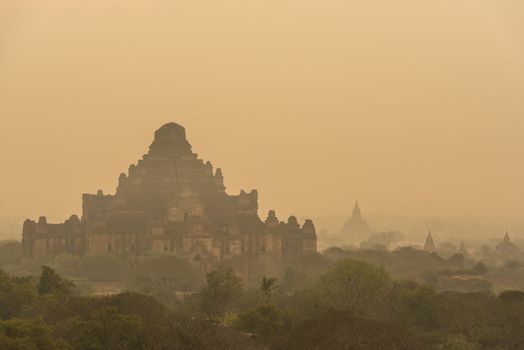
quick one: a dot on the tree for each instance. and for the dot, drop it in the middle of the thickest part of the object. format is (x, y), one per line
(267, 286)
(334, 330)
(464, 314)
(106, 328)
(195, 333)
(415, 305)
(265, 321)
(51, 283)
(354, 286)
(162, 276)
(32, 334)
(506, 322)
(15, 295)
(223, 285)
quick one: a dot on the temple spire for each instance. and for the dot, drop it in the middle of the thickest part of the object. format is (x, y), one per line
(356, 211)
(463, 250)
(506, 237)
(357, 227)
(429, 245)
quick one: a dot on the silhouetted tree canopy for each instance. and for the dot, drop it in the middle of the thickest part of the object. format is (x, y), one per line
(340, 300)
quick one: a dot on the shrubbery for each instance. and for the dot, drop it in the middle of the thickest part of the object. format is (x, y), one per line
(338, 300)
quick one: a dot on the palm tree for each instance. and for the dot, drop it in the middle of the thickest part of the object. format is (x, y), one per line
(267, 286)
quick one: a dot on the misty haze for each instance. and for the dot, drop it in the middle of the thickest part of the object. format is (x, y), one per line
(262, 174)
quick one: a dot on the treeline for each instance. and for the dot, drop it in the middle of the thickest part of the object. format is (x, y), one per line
(44, 313)
(351, 305)
(454, 273)
(159, 273)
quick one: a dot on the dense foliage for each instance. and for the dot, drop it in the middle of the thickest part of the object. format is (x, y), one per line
(329, 301)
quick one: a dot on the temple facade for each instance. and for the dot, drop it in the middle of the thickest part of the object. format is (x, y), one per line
(172, 201)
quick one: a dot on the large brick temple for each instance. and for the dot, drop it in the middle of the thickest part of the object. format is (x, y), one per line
(172, 201)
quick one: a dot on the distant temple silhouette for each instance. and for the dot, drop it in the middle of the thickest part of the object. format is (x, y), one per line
(429, 245)
(507, 249)
(356, 227)
(172, 201)
(463, 250)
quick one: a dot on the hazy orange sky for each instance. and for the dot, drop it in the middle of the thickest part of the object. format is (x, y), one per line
(413, 107)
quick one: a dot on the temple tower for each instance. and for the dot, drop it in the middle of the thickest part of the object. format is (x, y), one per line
(429, 245)
(506, 249)
(357, 228)
(463, 250)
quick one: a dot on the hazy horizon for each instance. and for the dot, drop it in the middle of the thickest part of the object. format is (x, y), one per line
(414, 109)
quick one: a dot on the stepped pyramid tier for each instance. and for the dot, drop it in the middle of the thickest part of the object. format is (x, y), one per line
(171, 200)
(169, 166)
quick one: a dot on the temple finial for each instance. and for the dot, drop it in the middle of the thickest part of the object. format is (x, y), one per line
(356, 211)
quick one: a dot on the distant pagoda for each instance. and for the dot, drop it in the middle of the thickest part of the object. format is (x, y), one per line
(429, 245)
(507, 249)
(356, 227)
(463, 250)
